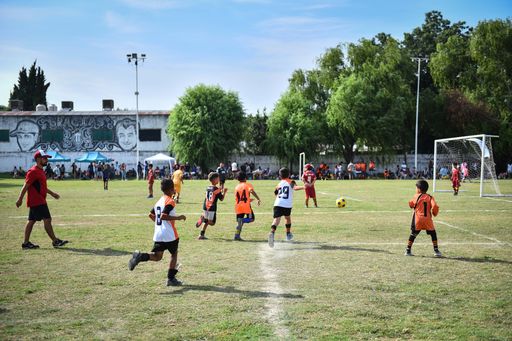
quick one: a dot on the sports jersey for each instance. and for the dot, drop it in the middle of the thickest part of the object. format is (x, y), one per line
(284, 196)
(308, 176)
(213, 193)
(243, 198)
(455, 176)
(37, 189)
(151, 176)
(424, 208)
(165, 230)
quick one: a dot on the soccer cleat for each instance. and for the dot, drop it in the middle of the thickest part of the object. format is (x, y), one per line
(238, 238)
(408, 253)
(59, 243)
(173, 282)
(438, 253)
(150, 196)
(29, 245)
(132, 263)
(271, 239)
(289, 236)
(201, 237)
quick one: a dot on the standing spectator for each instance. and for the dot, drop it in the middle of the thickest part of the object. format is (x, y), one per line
(146, 170)
(62, 171)
(123, 171)
(338, 171)
(509, 170)
(106, 177)
(90, 171)
(36, 189)
(74, 170)
(221, 170)
(431, 169)
(371, 169)
(116, 169)
(15, 173)
(56, 172)
(139, 171)
(234, 169)
(350, 170)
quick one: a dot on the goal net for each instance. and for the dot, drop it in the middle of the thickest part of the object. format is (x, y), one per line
(474, 156)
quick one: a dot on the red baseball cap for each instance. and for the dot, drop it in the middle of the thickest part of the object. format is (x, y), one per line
(41, 153)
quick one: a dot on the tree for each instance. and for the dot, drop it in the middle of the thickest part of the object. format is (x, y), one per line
(31, 88)
(256, 133)
(206, 126)
(293, 128)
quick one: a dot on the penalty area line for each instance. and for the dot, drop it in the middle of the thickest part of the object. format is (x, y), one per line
(473, 233)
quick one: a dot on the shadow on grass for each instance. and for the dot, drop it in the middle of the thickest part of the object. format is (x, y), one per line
(326, 247)
(479, 260)
(97, 252)
(230, 290)
(6, 185)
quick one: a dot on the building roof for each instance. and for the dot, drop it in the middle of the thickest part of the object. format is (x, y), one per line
(86, 113)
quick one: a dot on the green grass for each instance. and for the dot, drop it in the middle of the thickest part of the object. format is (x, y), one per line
(344, 277)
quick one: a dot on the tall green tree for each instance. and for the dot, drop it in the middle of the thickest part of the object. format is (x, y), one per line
(293, 127)
(206, 126)
(256, 133)
(31, 87)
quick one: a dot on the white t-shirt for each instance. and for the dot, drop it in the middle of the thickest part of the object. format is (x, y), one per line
(165, 230)
(234, 167)
(284, 197)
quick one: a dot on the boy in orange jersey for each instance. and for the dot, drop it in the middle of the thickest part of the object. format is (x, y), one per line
(455, 178)
(213, 194)
(165, 236)
(244, 213)
(425, 207)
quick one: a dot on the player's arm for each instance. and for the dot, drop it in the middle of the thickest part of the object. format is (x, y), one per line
(411, 203)
(293, 184)
(22, 194)
(222, 194)
(276, 191)
(253, 192)
(435, 208)
(152, 214)
(53, 194)
(165, 214)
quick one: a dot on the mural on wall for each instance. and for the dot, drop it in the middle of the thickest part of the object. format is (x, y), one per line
(76, 133)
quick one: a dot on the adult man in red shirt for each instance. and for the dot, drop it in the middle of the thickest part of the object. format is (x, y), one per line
(35, 185)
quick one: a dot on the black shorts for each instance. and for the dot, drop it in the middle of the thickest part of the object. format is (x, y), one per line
(282, 211)
(172, 247)
(39, 213)
(246, 215)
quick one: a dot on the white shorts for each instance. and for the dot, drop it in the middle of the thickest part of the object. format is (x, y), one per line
(209, 215)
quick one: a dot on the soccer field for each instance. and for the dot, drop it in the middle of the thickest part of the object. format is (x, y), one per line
(344, 276)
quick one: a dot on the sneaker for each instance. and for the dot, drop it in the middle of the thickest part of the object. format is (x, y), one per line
(289, 236)
(408, 253)
(199, 222)
(132, 263)
(438, 253)
(150, 196)
(271, 239)
(202, 237)
(29, 245)
(59, 243)
(174, 282)
(238, 238)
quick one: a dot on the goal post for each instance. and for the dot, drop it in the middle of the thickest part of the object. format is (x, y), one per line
(474, 155)
(302, 164)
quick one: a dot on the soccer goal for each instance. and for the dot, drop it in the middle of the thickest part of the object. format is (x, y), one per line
(474, 155)
(302, 164)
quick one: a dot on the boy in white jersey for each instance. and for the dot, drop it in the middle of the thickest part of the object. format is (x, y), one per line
(283, 205)
(166, 235)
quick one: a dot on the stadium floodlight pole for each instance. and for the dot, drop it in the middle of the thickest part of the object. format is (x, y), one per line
(418, 59)
(135, 58)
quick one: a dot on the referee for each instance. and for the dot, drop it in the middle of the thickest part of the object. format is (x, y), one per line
(36, 189)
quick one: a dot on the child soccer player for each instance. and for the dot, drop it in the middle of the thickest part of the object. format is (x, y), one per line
(309, 179)
(177, 178)
(151, 180)
(165, 236)
(424, 207)
(244, 213)
(213, 193)
(455, 178)
(283, 205)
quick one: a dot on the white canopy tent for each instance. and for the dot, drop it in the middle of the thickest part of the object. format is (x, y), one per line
(162, 158)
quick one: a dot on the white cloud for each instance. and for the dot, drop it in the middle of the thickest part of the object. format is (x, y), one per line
(118, 23)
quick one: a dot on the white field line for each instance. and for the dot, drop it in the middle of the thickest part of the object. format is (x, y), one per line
(498, 199)
(311, 211)
(473, 233)
(273, 305)
(337, 195)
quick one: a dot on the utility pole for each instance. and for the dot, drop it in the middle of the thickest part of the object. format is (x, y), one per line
(419, 60)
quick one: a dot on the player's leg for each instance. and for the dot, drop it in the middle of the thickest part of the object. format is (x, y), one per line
(433, 235)
(277, 219)
(412, 237)
(173, 265)
(240, 223)
(28, 231)
(47, 222)
(156, 255)
(201, 220)
(288, 225)
(306, 201)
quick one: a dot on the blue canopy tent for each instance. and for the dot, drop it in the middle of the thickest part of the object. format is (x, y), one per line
(57, 157)
(93, 157)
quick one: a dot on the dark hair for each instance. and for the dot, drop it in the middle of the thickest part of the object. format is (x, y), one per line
(166, 185)
(422, 185)
(212, 176)
(241, 176)
(150, 165)
(284, 173)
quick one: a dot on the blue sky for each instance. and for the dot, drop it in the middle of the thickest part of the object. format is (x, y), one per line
(248, 46)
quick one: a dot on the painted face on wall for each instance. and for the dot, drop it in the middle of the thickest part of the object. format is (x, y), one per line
(126, 136)
(27, 135)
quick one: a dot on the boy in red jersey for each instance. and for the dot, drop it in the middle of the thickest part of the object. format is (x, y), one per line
(213, 194)
(35, 185)
(244, 212)
(165, 236)
(309, 179)
(151, 180)
(425, 207)
(455, 178)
